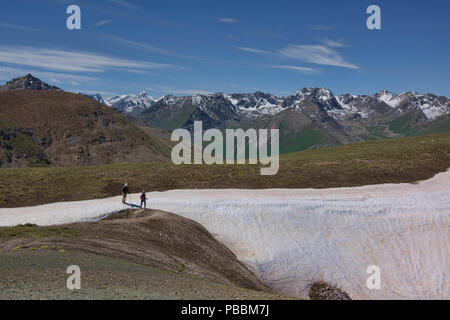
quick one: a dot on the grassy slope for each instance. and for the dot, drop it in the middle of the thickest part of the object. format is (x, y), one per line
(303, 140)
(105, 277)
(405, 126)
(17, 147)
(160, 140)
(388, 161)
(32, 231)
(72, 130)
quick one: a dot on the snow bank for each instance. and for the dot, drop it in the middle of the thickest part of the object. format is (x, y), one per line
(293, 238)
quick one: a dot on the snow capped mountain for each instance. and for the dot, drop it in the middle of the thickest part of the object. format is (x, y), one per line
(96, 97)
(431, 105)
(168, 99)
(313, 115)
(99, 98)
(258, 104)
(309, 112)
(354, 106)
(131, 103)
(316, 112)
(388, 98)
(319, 96)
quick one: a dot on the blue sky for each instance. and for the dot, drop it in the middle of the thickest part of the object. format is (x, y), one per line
(202, 46)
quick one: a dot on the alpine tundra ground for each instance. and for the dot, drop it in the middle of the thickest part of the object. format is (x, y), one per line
(388, 161)
(140, 254)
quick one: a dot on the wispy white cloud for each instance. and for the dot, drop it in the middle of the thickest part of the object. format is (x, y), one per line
(172, 90)
(104, 94)
(265, 34)
(334, 43)
(102, 23)
(15, 26)
(229, 36)
(303, 70)
(7, 73)
(317, 54)
(72, 61)
(322, 27)
(151, 48)
(253, 50)
(148, 47)
(227, 20)
(123, 3)
(191, 92)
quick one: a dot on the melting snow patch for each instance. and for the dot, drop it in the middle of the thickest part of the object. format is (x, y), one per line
(294, 238)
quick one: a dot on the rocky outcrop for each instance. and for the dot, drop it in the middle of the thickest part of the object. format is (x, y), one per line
(325, 291)
(27, 82)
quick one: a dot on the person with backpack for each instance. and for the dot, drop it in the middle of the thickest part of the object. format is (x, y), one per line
(125, 192)
(143, 200)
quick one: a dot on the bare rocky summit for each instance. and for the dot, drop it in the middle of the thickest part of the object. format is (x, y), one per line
(27, 82)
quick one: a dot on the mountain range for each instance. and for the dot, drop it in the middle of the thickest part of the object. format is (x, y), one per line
(41, 124)
(260, 103)
(309, 118)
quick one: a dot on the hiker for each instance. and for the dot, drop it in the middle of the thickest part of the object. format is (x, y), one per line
(143, 200)
(125, 191)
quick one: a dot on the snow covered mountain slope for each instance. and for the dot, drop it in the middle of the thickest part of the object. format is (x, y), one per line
(263, 104)
(309, 118)
(97, 97)
(255, 104)
(131, 103)
(293, 238)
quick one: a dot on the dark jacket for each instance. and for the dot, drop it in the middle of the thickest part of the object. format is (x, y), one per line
(125, 189)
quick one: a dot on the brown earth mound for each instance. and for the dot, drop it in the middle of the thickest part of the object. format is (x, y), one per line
(70, 129)
(146, 237)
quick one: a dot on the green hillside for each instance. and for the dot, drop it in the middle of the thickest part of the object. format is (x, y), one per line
(387, 161)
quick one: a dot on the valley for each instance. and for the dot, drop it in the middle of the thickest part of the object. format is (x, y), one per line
(41, 125)
(216, 157)
(362, 180)
(311, 118)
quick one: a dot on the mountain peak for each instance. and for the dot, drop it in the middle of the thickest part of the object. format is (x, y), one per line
(96, 97)
(315, 91)
(27, 82)
(259, 104)
(132, 103)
